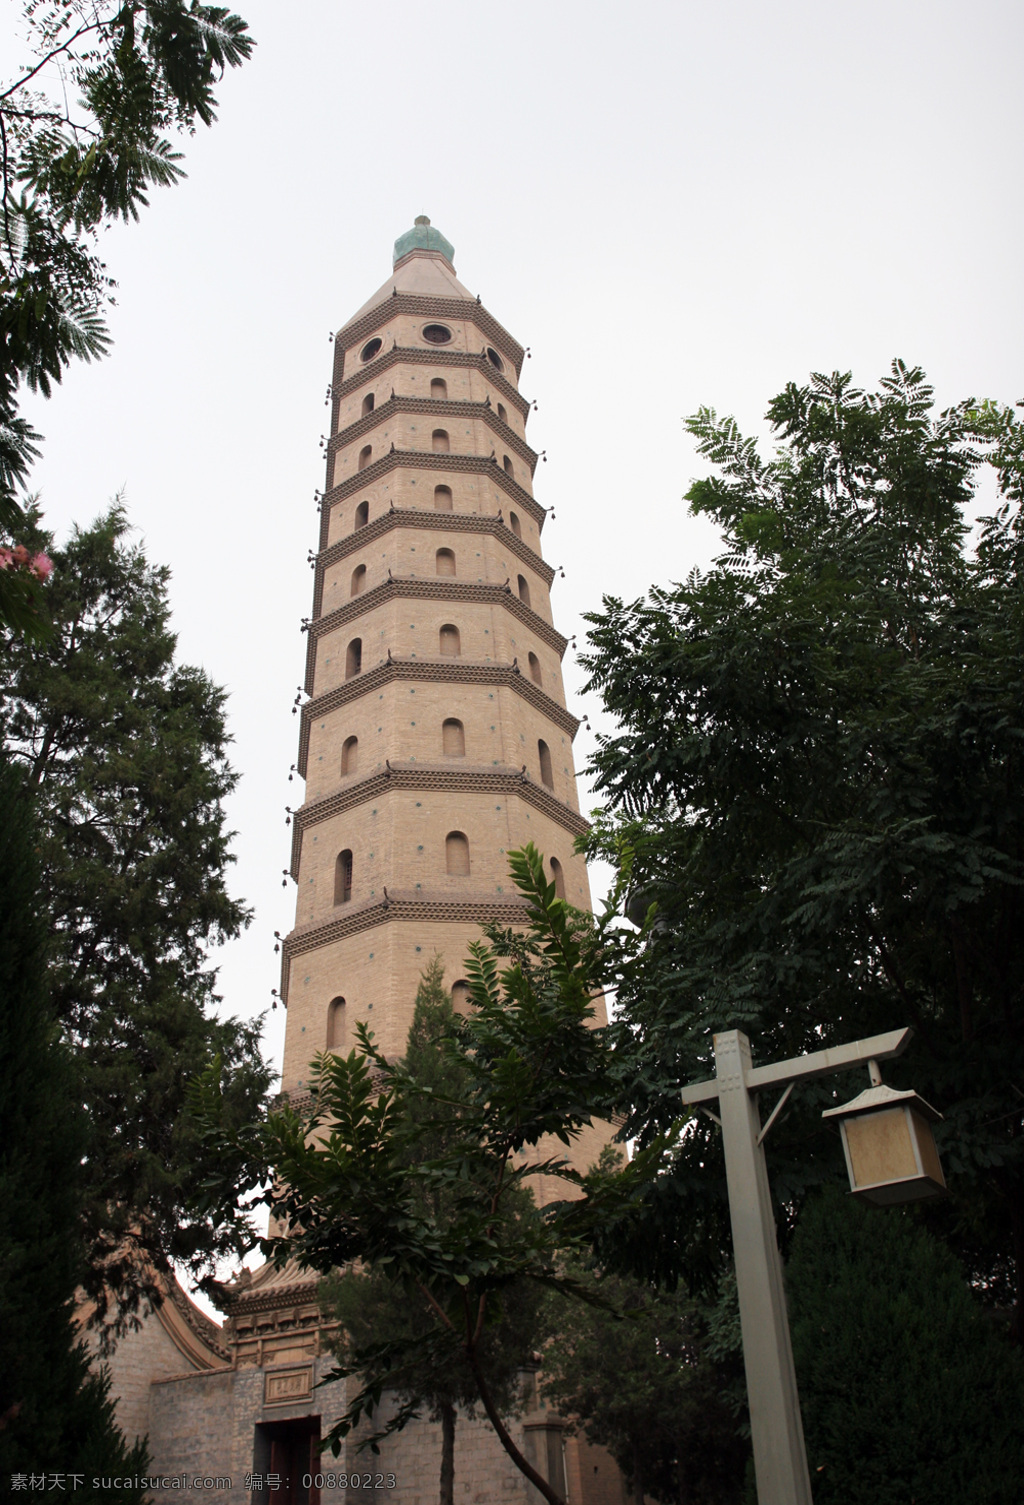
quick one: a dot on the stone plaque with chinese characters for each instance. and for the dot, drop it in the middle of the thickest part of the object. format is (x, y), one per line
(287, 1385)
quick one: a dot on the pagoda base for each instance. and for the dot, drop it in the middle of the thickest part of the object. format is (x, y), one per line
(240, 1404)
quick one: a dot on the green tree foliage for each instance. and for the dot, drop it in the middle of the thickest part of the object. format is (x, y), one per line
(125, 753)
(54, 1414)
(379, 1318)
(908, 1393)
(817, 769)
(652, 1380)
(84, 135)
(453, 1229)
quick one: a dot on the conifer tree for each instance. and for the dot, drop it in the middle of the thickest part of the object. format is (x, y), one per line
(55, 1415)
(125, 752)
(647, 1379)
(907, 1392)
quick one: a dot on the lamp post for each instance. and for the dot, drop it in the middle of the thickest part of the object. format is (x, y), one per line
(780, 1459)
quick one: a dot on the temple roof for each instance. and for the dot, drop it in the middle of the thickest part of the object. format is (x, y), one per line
(423, 266)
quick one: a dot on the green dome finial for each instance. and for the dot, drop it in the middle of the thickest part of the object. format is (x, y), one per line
(423, 237)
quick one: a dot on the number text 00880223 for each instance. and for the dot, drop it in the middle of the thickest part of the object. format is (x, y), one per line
(350, 1481)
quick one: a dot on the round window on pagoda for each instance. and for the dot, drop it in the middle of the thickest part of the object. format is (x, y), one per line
(437, 334)
(370, 349)
(495, 359)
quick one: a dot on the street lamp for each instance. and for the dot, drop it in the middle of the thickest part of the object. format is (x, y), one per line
(878, 1163)
(889, 1145)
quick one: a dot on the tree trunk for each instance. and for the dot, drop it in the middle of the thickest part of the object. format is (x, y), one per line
(522, 1464)
(684, 1483)
(447, 1496)
(637, 1490)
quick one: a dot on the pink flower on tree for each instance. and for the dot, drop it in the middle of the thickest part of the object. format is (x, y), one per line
(40, 565)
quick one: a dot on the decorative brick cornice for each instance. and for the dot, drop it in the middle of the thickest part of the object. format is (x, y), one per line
(447, 589)
(251, 1303)
(440, 671)
(411, 459)
(431, 776)
(434, 407)
(412, 304)
(441, 522)
(412, 355)
(338, 384)
(405, 905)
(302, 1101)
(439, 588)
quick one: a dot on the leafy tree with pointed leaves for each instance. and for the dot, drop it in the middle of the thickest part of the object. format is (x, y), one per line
(817, 770)
(124, 751)
(54, 1412)
(452, 1228)
(373, 1307)
(85, 134)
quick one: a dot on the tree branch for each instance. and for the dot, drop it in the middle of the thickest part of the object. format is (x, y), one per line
(55, 115)
(6, 187)
(479, 1327)
(523, 1464)
(54, 52)
(423, 1290)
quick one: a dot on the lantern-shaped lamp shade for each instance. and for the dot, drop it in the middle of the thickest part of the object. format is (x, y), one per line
(889, 1146)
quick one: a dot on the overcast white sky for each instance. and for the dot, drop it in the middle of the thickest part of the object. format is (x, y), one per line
(671, 204)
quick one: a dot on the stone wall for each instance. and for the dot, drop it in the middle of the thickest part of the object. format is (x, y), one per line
(140, 1357)
(213, 1424)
